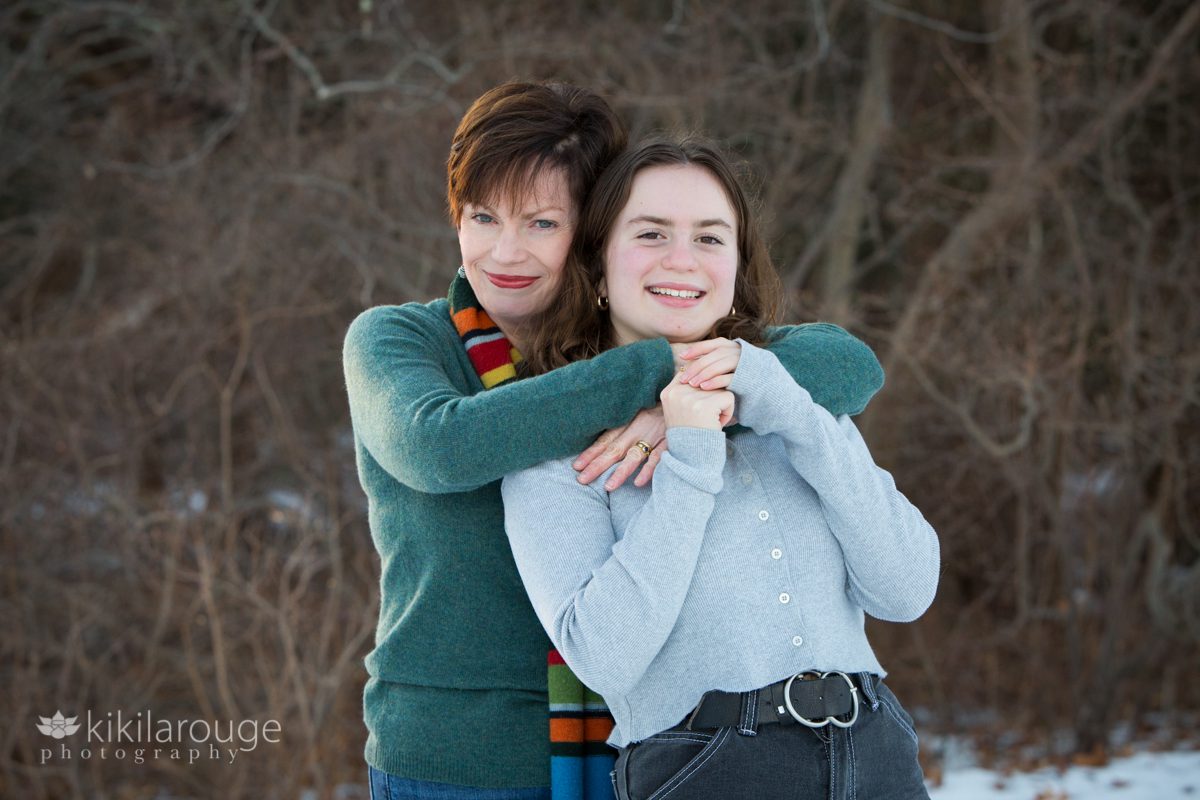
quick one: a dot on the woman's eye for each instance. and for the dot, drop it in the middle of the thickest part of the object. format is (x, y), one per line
(545, 224)
(652, 235)
(483, 219)
(708, 238)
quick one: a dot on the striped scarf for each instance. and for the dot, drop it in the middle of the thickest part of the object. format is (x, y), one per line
(580, 761)
(493, 356)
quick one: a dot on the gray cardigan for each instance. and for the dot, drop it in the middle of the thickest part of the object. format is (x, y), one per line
(745, 561)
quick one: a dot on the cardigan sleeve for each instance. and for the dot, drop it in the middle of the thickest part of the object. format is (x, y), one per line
(891, 551)
(418, 423)
(839, 371)
(608, 602)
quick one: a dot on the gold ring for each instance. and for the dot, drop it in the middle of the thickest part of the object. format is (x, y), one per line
(643, 446)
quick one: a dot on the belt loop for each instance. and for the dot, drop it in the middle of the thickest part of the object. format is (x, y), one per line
(749, 723)
(867, 681)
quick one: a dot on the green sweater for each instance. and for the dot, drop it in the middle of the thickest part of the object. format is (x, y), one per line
(457, 680)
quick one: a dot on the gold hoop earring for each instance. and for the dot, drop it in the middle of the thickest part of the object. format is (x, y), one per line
(602, 302)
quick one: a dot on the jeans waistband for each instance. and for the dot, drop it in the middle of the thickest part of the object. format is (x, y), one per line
(810, 698)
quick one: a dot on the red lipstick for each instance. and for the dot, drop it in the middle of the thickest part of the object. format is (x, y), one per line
(510, 281)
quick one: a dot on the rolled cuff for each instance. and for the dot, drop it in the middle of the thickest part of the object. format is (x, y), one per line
(697, 456)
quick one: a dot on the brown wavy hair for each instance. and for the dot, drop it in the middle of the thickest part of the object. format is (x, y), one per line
(575, 328)
(515, 130)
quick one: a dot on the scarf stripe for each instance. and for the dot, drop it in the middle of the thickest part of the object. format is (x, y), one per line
(580, 758)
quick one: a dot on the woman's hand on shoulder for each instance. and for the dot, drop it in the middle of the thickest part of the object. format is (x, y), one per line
(621, 444)
(709, 364)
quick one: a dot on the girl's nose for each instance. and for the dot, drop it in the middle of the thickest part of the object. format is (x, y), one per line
(679, 255)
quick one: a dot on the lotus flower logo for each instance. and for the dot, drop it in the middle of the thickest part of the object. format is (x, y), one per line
(58, 726)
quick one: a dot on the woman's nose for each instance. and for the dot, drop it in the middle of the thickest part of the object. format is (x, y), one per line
(509, 247)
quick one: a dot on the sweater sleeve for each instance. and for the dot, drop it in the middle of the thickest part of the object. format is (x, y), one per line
(891, 551)
(609, 604)
(839, 371)
(415, 420)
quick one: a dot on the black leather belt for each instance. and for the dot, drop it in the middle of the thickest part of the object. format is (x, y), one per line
(810, 698)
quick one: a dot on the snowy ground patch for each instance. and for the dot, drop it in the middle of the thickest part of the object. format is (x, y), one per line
(1141, 776)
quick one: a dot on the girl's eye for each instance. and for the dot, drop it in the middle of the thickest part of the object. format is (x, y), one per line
(483, 219)
(708, 238)
(652, 235)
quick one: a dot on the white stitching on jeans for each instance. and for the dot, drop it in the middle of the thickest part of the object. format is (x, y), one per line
(833, 765)
(748, 726)
(869, 689)
(690, 769)
(673, 736)
(852, 776)
(895, 715)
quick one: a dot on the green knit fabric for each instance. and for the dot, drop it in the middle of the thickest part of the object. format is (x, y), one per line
(457, 686)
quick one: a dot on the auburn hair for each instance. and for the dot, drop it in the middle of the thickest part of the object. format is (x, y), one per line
(574, 327)
(514, 131)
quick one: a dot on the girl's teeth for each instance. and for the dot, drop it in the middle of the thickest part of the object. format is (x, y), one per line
(675, 292)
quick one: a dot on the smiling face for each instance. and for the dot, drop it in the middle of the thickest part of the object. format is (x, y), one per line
(671, 258)
(514, 252)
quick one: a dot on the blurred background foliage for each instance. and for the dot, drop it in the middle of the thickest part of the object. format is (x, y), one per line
(196, 198)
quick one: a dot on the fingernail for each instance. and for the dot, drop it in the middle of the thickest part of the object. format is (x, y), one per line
(608, 487)
(578, 465)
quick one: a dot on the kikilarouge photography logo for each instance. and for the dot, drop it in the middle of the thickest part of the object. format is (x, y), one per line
(138, 738)
(58, 726)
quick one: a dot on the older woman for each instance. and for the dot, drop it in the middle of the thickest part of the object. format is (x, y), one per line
(455, 703)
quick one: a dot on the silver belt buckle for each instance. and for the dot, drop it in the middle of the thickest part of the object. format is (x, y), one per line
(791, 709)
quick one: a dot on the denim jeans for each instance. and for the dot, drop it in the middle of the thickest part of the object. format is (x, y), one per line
(392, 787)
(875, 759)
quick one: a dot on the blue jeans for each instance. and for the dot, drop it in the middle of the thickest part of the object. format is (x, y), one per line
(875, 759)
(393, 787)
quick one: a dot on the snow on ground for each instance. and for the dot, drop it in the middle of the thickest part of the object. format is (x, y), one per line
(1141, 776)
